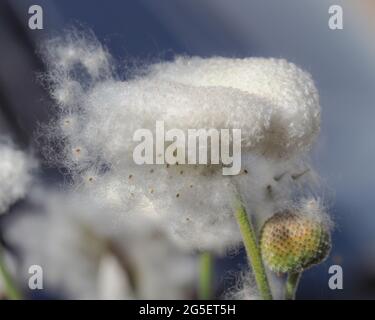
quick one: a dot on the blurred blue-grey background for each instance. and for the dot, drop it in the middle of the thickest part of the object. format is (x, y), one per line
(342, 63)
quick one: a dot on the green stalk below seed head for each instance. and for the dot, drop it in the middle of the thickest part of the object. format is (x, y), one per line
(252, 251)
(291, 285)
(10, 288)
(205, 291)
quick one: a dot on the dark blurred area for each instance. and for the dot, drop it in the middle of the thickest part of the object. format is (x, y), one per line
(341, 62)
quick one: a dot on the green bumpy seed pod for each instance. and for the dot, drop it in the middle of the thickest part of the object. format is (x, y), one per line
(292, 242)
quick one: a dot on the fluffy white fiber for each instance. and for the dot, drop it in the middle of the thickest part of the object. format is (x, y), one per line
(314, 208)
(290, 96)
(273, 102)
(15, 174)
(244, 288)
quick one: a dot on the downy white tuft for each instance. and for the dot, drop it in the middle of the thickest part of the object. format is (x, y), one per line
(273, 102)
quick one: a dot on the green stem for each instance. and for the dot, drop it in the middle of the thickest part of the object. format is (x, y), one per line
(11, 290)
(205, 276)
(253, 252)
(291, 285)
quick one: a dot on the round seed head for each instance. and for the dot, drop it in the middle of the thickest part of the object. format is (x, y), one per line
(292, 242)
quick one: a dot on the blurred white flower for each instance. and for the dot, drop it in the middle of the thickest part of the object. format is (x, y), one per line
(15, 174)
(88, 251)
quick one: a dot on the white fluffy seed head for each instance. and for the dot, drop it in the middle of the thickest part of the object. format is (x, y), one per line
(15, 174)
(273, 102)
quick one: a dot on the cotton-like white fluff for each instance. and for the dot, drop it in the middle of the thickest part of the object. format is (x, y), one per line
(77, 48)
(314, 208)
(244, 288)
(292, 95)
(136, 104)
(273, 102)
(15, 174)
(88, 251)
